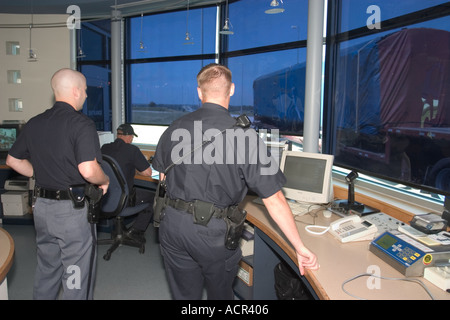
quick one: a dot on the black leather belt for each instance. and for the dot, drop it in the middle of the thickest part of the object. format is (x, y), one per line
(52, 194)
(187, 206)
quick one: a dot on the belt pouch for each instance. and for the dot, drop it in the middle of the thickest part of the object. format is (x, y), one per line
(76, 193)
(202, 212)
(235, 219)
(159, 203)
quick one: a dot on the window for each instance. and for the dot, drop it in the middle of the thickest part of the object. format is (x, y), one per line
(14, 76)
(387, 91)
(267, 55)
(13, 48)
(162, 65)
(93, 56)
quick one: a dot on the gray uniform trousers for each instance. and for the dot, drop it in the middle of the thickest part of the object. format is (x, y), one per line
(66, 251)
(195, 257)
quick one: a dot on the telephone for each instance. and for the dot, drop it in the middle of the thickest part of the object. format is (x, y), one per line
(353, 228)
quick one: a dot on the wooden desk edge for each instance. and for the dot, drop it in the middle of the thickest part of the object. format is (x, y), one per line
(9, 258)
(287, 248)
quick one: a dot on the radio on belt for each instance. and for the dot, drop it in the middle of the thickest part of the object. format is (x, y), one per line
(407, 255)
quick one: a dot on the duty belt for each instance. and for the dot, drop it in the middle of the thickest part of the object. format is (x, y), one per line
(188, 206)
(52, 194)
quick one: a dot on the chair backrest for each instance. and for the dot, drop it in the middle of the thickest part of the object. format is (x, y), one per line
(116, 199)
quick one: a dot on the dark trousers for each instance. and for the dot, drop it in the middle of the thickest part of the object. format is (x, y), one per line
(195, 257)
(143, 218)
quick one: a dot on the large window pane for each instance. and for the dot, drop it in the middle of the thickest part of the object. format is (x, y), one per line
(254, 28)
(162, 92)
(98, 101)
(164, 35)
(270, 88)
(94, 41)
(390, 102)
(360, 13)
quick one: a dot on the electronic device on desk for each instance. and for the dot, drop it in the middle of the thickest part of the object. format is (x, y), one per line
(16, 200)
(406, 255)
(308, 180)
(350, 206)
(429, 223)
(353, 228)
(9, 131)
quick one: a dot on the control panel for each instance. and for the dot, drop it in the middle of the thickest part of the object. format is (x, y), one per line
(402, 252)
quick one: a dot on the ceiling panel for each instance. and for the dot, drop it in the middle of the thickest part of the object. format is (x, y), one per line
(98, 8)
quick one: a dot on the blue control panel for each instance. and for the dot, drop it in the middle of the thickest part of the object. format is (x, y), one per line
(401, 252)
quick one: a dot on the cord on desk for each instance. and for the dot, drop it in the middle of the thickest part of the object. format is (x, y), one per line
(384, 278)
(313, 213)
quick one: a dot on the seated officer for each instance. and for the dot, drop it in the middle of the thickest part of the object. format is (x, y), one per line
(131, 160)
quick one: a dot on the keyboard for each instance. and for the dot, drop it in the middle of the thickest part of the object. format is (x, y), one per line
(297, 208)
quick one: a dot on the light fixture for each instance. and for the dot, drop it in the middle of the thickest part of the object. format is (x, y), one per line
(32, 56)
(141, 42)
(227, 28)
(80, 53)
(275, 7)
(187, 37)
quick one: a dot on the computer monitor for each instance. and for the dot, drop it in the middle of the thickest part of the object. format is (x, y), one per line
(8, 135)
(308, 176)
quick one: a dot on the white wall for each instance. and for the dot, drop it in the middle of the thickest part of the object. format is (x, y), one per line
(52, 46)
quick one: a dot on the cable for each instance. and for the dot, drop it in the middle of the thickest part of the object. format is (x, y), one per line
(324, 229)
(384, 278)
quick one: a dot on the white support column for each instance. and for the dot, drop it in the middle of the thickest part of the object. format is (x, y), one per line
(313, 86)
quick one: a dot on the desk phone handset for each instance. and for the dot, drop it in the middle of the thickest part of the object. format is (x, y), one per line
(353, 228)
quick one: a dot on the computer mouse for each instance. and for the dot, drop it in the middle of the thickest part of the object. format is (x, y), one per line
(327, 214)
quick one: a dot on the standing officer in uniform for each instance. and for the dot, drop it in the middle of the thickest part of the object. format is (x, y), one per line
(195, 255)
(130, 160)
(60, 147)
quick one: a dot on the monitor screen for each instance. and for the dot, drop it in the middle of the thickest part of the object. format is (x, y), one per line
(7, 138)
(308, 176)
(8, 135)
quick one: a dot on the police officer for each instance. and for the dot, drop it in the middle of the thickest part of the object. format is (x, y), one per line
(195, 255)
(131, 160)
(60, 147)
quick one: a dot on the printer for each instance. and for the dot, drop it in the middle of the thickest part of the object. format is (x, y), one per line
(16, 198)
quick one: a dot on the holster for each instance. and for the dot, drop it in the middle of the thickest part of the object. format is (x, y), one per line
(93, 195)
(235, 219)
(159, 203)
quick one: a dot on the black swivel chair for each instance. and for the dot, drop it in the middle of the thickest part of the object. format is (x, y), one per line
(115, 206)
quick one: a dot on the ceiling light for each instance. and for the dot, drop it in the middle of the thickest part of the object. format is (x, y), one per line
(275, 7)
(187, 37)
(227, 27)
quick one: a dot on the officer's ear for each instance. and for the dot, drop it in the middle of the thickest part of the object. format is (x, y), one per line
(232, 90)
(199, 92)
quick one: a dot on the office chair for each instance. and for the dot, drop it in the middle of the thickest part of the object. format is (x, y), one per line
(115, 206)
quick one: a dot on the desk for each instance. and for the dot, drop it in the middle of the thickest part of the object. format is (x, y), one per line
(6, 260)
(338, 263)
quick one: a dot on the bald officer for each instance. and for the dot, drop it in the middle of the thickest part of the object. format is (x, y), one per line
(60, 147)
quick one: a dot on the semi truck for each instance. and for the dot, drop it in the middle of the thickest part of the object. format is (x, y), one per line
(391, 103)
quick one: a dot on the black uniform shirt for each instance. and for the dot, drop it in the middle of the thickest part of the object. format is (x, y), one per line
(56, 142)
(222, 183)
(129, 157)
